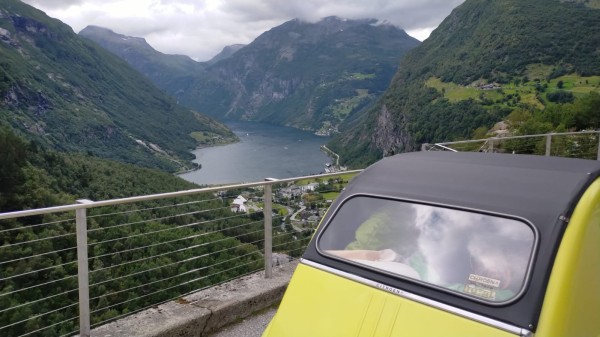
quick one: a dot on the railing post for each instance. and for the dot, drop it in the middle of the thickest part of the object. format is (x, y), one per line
(82, 270)
(268, 215)
(598, 135)
(548, 144)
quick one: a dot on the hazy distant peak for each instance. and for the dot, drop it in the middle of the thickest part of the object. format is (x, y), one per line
(304, 31)
(97, 29)
(336, 20)
(382, 23)
(333, 18)
(101, 33)
(227, 52)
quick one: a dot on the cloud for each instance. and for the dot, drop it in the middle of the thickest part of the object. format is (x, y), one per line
(407, 14)
(201, 28)
(53, 4)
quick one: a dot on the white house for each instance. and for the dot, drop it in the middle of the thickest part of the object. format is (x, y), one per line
(309, 187)
(238, 205)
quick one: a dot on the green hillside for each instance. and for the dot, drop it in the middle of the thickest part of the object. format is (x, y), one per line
(486, 60)
(68, 94)
(31, 177)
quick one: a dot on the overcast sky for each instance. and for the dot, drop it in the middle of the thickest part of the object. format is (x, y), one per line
(201, 28)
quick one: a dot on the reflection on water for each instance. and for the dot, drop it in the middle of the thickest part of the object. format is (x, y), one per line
(264, 151)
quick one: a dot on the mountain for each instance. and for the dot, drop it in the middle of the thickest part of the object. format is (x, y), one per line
(311, 76)
(486, 62)
(226, 53)
(161, 68)
(66, 93)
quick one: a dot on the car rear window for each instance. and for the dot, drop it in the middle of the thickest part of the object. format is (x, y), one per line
(481, 256)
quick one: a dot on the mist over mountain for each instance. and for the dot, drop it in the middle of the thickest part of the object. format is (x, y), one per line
(486, 62)
(66, 93)
(311, 76)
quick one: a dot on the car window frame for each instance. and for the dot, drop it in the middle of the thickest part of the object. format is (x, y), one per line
(515, 298)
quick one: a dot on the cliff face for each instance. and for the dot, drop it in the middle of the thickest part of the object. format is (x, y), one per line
(390, 137)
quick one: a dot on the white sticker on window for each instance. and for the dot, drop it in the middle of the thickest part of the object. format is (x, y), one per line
(486, 281)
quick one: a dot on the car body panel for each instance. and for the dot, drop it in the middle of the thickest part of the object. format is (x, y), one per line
(558, 197)
(335, 306)
(572, 303)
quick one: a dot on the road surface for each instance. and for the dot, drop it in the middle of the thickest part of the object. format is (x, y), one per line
(252, 326)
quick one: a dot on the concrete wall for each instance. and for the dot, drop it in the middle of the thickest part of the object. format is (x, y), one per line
(206, 311)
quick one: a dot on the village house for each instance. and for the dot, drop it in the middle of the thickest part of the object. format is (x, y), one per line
(310, 187)
(238, 205)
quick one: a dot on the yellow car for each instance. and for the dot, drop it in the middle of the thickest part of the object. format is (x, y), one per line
(454, 244)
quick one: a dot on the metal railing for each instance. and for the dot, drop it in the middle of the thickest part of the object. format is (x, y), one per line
(582, 144)
(67, 269)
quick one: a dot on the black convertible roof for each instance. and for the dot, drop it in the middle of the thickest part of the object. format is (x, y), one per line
(537, 188)
(542, 190)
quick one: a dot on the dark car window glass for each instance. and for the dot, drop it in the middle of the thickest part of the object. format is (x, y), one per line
(478, 255)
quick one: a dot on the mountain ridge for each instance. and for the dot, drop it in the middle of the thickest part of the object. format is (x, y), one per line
(225, 53)
(310, 76)
(136, 51)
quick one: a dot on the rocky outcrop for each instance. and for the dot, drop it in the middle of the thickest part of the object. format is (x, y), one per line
(389, 136)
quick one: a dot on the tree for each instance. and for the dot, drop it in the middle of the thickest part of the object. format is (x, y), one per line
(13, 158)
(560, 96)
(587, 111)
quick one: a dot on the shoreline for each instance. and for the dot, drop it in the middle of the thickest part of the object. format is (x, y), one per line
(200, 147)
(331, 154)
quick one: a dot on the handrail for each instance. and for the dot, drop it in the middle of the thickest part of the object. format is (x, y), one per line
(522, 136)
(201, 221)
(112, 202)
(494, 144)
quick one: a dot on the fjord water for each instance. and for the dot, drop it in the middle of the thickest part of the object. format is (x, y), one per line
(264, 151)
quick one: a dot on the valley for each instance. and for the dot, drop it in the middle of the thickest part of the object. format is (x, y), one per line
(99, 115)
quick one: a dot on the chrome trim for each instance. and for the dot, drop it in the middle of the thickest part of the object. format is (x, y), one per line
(420, 299)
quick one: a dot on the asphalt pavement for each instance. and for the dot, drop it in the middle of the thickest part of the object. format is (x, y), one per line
(249, 327)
